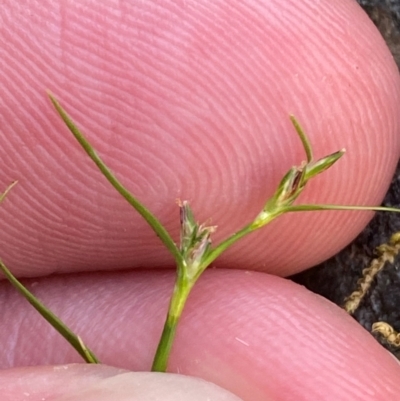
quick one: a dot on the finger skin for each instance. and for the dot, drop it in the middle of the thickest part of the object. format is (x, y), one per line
(259, 336)
(188, 100)
(104, 383)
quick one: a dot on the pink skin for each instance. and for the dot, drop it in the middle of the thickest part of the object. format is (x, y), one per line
(190, 100)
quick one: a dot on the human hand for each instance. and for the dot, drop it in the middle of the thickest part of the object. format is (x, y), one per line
(190, 101)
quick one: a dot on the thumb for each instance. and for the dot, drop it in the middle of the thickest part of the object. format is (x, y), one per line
(104, 383)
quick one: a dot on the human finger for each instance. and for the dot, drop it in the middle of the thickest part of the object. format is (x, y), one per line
(259, 336)
(188, 101)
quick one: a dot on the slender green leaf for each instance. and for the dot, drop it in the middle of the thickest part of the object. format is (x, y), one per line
(61, 327)
(304, 139)
(153, 222)
(8, 189)
(314, 208)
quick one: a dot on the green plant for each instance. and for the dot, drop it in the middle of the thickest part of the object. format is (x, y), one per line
(195, 251)
(61, 327)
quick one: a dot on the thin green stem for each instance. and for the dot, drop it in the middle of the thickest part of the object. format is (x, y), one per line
(303, 137)
(185, 282)
(220, 248)
(178, 300)
(8, 189)
(63, 329)
(224, 245)
(261, 220)
(313, 208)
(153, 222)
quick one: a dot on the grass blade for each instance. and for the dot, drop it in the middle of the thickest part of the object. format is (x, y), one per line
(153, 222)
(63, 329)
(303, 137)
(8, 189)
(314, 208)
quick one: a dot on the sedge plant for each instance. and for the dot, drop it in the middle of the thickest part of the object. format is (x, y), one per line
(195, 251)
